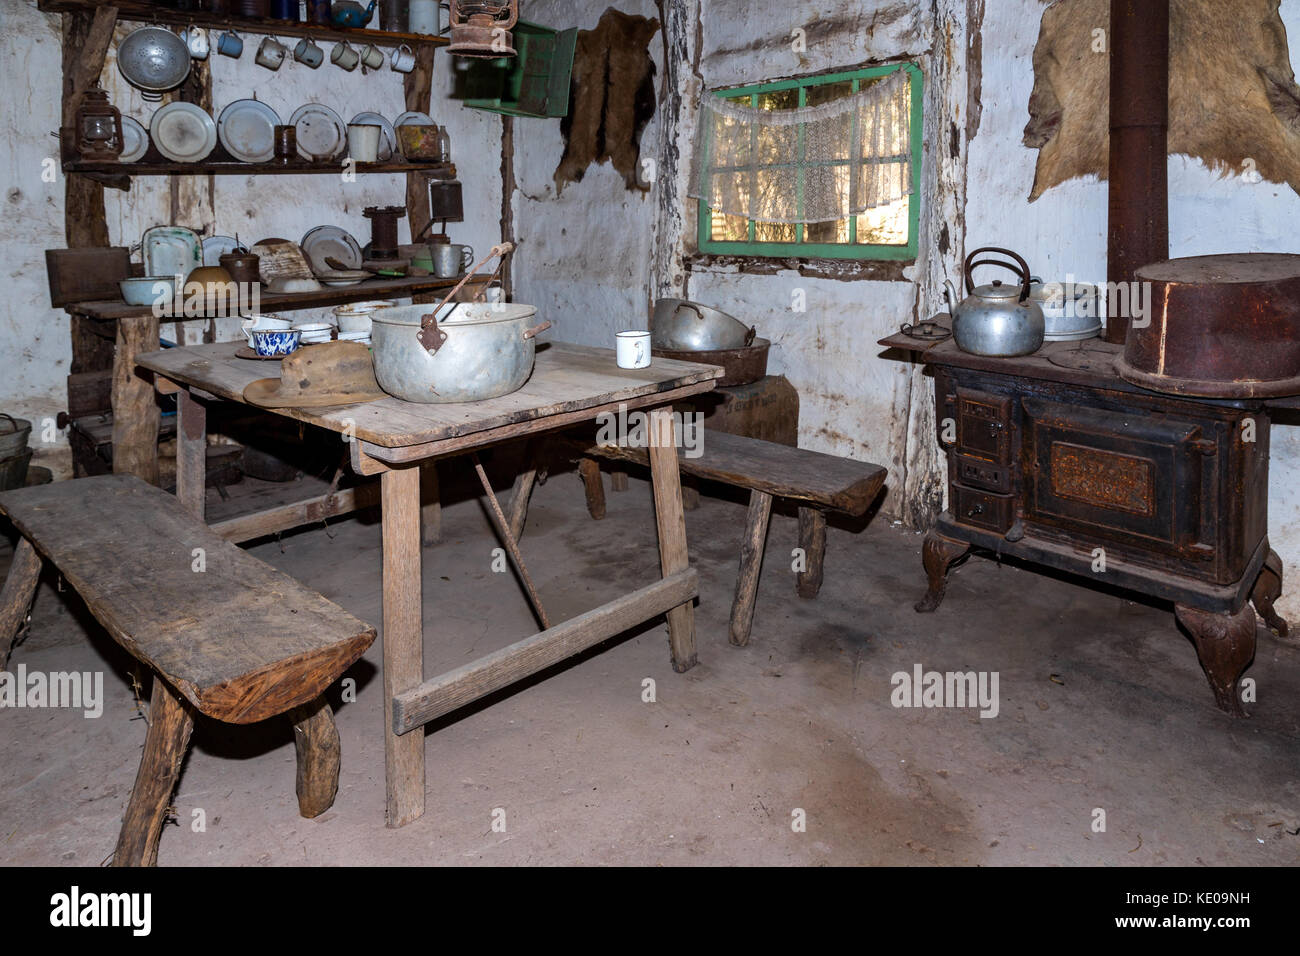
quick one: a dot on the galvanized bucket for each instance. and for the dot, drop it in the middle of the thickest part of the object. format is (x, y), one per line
(13, 435)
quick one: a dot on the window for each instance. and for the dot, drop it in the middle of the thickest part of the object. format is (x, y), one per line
(772, 161)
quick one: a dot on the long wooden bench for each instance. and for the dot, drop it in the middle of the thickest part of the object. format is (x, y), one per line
(226, 635)
(818, 483)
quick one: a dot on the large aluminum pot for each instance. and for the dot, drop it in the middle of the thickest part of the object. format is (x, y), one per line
(996, 319)
(686, 326)
(153, 60)
(488, 351)
(1071, 310)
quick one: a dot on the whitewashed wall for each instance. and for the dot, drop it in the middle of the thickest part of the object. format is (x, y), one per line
(34, 339)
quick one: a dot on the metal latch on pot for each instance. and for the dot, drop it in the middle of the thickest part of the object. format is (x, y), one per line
(430, 336)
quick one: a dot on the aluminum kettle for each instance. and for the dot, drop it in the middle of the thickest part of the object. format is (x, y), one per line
(997, 320)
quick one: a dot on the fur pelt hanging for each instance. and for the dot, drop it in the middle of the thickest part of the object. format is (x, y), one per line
(612, 98)
(1233, 99)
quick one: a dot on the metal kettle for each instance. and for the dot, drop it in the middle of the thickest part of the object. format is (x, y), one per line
(997, 319)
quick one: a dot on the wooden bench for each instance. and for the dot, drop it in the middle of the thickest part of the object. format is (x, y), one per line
(818, 483)
(226, 635)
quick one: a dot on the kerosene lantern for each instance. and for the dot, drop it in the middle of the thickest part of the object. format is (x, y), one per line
(98, 127)
(481, 28)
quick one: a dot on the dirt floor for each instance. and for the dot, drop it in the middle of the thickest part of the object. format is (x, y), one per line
(1104, 717)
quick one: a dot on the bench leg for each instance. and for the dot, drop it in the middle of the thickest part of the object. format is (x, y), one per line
(316, 745)
(751, 565)
(618, 478)
(431, 509)
(671, 524)
(589, 470)
(812, 539)
(165, 744)
(403, 640)
(16, 598)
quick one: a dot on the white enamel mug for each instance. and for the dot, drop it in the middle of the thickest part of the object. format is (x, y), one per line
(632, 349)
(403, 59)
(196, 41)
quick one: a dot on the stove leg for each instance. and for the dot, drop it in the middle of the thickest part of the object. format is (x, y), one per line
(938, 554)
(1268, 588)
(1225, 643)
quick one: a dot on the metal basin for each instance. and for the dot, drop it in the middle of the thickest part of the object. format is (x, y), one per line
(687, 326)
(153, 59)
(740, 366)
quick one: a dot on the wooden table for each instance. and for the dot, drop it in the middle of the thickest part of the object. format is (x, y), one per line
(570, 385)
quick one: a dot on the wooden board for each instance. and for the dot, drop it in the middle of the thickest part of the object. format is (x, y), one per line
(78, 274)
(567, 379)
(240, 640)
(839, 484)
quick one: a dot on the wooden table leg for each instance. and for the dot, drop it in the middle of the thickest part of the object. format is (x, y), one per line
(16, 598)
(403, 639)
(135, 409)
(525, 480)
(316, 746)
(812, 538)
(431, 510)
(170, 724)
(751, 566)
(671, 523)
(191, 453)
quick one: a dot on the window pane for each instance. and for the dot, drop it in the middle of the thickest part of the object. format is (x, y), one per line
(885, 225)
(826, 92)
(728, 228)
(775, 231)
(826, 231)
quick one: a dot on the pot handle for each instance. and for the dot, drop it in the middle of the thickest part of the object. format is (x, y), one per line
(692, 306)
(536, 330)
(749, 336)
(1022, 271)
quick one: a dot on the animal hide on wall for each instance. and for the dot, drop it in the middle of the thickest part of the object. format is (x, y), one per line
(1233, 100)
(613, 98)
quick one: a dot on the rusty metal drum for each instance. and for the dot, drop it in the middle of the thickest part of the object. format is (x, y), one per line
(1225, 326)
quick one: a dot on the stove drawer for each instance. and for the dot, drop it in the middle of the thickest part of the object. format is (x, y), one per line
(980, 473)
(982, 509)
(1117, 473)
(983, 426)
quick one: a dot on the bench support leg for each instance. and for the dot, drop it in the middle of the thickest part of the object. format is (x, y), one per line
(589, 470)
(812, 539)
(618, 478)
(671, 524)
(316, 745)
(431, 509)
(751, 566)
(403, 640)
(165, 744)
(16, 599)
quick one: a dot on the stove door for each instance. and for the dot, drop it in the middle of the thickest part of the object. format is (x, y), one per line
(1115, 474)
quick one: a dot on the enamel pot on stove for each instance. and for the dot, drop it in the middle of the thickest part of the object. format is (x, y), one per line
(998, 319)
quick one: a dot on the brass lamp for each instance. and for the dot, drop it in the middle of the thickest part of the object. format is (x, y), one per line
(98, 127)
(481, 28)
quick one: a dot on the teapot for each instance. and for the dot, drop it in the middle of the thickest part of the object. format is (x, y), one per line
(349, 13)
(997, 320)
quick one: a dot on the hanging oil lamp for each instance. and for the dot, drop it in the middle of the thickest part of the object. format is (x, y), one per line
(481, 28)
(98, 127)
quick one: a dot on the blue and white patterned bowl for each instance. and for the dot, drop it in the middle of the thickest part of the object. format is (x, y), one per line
(271, 342)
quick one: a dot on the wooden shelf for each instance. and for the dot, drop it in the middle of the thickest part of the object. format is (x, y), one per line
(146, 168)
(112, 310)
(141, 12)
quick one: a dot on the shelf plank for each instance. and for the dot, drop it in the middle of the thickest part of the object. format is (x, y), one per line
(145, 168)
(112, 311)
(138, 11)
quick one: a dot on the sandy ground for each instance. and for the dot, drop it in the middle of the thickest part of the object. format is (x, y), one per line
(1102, 707)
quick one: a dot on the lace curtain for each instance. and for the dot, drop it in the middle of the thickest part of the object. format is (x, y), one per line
(811, 164)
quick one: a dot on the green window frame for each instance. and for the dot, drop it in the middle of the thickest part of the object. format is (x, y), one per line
(825, 250)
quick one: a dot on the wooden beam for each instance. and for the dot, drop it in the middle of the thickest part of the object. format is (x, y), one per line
(403, 639)
(456, 688)
(298, 513)
(135, 411)
(16, 598)
(191, 454)
(751, 566)
(671, 524)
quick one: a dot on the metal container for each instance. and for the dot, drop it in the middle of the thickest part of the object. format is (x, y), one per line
(153, 60)
(13, 470)
(1223, 326)
(996, 320)
(242, 266)
(741, 366)
(482, 351)
(1071, 311)
(689, 326)
(14, 433)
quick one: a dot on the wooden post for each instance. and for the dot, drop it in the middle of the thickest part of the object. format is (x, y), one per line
(316, 746)
(431, 509)
(135, 411)
(16, 598)
(533, 460)
(618, 478)
(812, 539)
(403, 639)
(170, 724)
(191, 453)
(589, 472)
(671, 524)
(751, 566)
